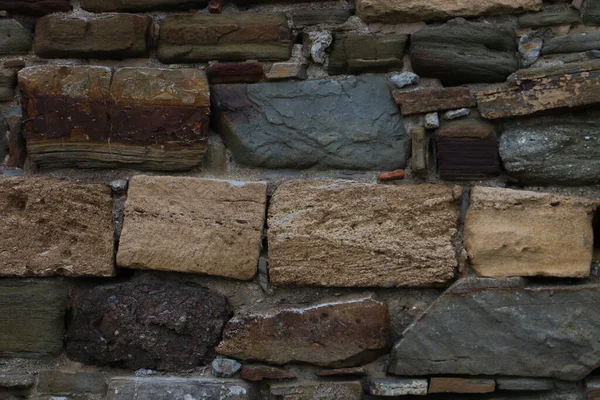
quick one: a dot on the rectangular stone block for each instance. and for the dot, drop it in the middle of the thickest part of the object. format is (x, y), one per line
(31, 317)
(349, 234)
(420, 101)
(59, 382)
(354, 53)
(317, 390)
(533, 90)
(85, 116)
(389, 387)
(522, 233)
(140, 5)
(193, 225)
(128, 388)
(224, 37)
(95, 36)
(251, 72)
(461, 385)
(35, 7)
(51, 227)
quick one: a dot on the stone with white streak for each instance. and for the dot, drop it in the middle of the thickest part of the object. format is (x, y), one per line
(397, 387)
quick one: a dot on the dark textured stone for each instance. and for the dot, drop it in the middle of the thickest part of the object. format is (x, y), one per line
(502, 327)
(572, 43)
(464, 52)
(351, 123)
(16, 381)
(143, 5)
(35, 7)
(467, 149)
(318, 17)
(58, 382)
(224, 37)
(591, 14)
(17, 151)
(356, 371)
(31, 317)
(14, 37)
(562, 149)
(524, 384)
(179, 388)
(234, 73)
(555, 15)
(8, 81)
(344, 332)
(155, 324)
(353, 53)
(107, 36)
(420, 101)
(320, 390)
(259, 372)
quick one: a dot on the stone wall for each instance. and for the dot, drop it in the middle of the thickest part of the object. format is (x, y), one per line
(266, 199)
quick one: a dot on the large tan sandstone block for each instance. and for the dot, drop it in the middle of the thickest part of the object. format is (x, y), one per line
(522, 233)
(350, 234)
(193, 225)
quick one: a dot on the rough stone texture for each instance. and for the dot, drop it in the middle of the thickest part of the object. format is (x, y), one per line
(319, 123)
(397, 387)
(193, 225)
(592, 386)
(234, 73)
(225, 368)
(155, 324)
(521, 233)
(102, 36)
(533, 90)
(8, 81)
(456, 114)
(591, 14)
(395, 11)
(259, 372)
(355, 53)
(464, 52)
(559, 150)
(35, 7)
(179, 388)
(502, 327)
(530, 49)
(467, 149)
(137, 5)
(572, 43)
(17, 151)
(58, 382)
(361, 235)
(346, 331)
(13, 381)
(316, 17)
(405, 79)
(31, 321)
(129, 120)
(422, 100)
(14, 37)
(224, 37)
(524, 384)
(461, 385)
(557, 15)
(52, 227)
(355, 371)
(317, 391)
(288, 70)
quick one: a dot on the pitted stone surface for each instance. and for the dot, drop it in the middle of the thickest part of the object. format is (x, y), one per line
(320, 123)
(349, 234)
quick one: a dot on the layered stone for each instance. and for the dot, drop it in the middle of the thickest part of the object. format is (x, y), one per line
(16, 39)
(461, 385)
(542, 331)
(317, 390)
(355, 53)
(424, 100)
(87, 117)
(395, 11)
(32, 317)
(572, 43)
(591, 13)
(158, 388)
(521, 233)
(553, 149)
(35, 7)
(265, 125)
(224, 37)
(347, 331)
(389, 387)
(369, 235)
(540, 89)
(143, 5)
(258, 373)
(467, 149)
(550, 16)
(146, 324)
(461, 52)
(234, 73)
(99, 36)
(51, 227)
(193, 225)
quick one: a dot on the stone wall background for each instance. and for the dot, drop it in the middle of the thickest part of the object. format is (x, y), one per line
(277, 200)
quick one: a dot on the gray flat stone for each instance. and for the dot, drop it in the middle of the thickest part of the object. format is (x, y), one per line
(524, 384)
(352, 123)
(591, 14)
(397, 387)
(501, 327)
(16, 381)
(14, 37)
(572, 43)
(57, 382)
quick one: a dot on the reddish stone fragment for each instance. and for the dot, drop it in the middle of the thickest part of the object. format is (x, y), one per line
(357, 371)
(392, 176)
(15, 63)
(461, 385)
(234, 73)
(417, 101)
(257, 373)
(215, 6)
(35, 7)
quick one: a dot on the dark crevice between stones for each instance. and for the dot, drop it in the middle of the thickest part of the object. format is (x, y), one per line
(263, 259)
(459, 244)
(596, 249)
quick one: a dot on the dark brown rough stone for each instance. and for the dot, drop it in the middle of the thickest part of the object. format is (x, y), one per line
(354, 53)
(467, 149)
(418, 101)
(106, 36)
(137, 5)
(234, 73)
(257, 373)
(35, 7)
(129, 120)
(356, 371)
(224, 37)
(344, 332)
(155, 324)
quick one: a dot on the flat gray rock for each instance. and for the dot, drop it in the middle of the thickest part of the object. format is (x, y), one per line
(561, 150)
(352, 123)
(14, 37)
(572, 43)
(501, 327)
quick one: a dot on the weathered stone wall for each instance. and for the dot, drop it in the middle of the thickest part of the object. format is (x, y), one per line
(274, 200)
